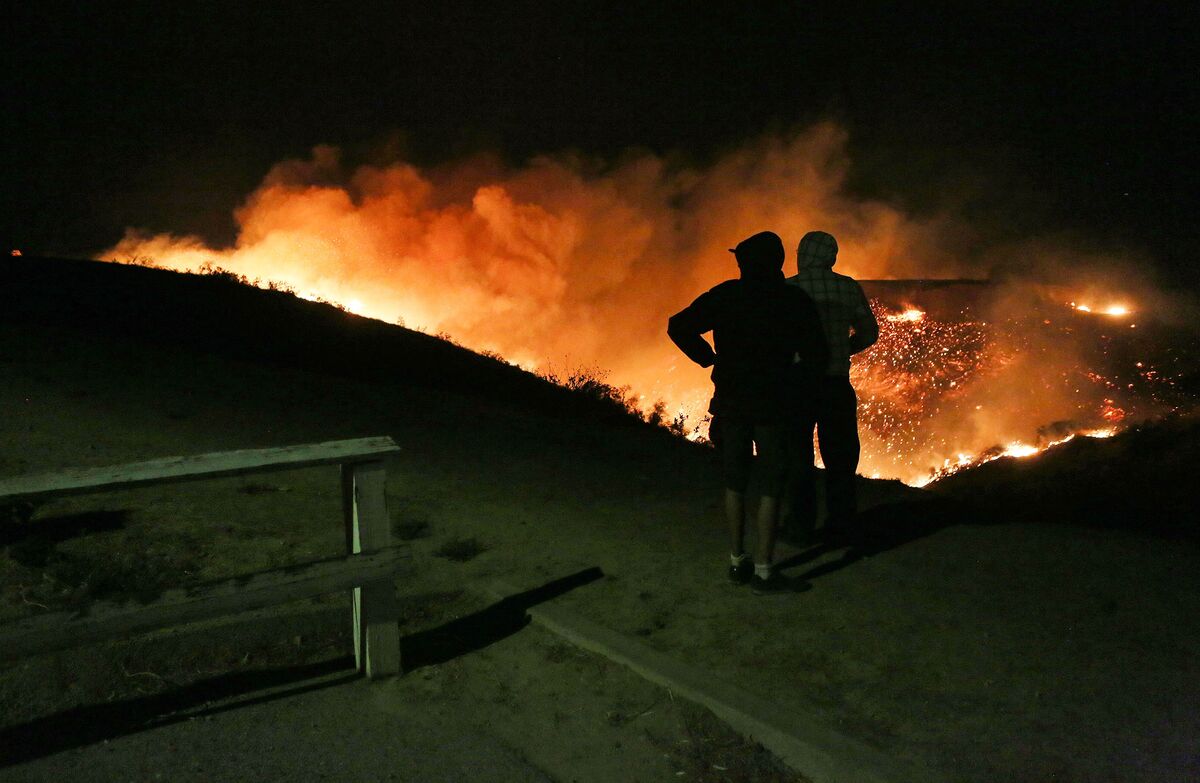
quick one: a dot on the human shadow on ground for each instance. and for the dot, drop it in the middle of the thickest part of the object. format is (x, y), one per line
(487, 626)
(876, 530)
(89, 724)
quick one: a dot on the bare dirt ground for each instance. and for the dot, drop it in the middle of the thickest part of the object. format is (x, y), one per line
(1018, 650)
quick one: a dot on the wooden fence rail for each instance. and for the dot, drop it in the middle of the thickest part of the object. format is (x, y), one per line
(367, 569)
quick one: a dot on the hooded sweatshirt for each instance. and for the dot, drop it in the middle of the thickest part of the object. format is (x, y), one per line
(846, 317)
(760, 327)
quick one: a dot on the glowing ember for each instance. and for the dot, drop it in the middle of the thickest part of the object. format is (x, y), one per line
(16, 252)
(1111, 413)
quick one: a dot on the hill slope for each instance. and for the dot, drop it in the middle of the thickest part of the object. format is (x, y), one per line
(215, 314)
(1143, 480)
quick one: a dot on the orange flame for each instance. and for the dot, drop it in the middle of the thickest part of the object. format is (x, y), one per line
(1115, 310)
(911, 314)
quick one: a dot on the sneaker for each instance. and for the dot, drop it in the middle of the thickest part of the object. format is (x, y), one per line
(772, 585)
(740, 574)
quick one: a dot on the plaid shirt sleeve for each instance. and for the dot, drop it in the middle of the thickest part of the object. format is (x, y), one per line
(866, 328)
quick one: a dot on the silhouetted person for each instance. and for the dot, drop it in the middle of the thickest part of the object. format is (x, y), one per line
(850, 327)
(764, 334)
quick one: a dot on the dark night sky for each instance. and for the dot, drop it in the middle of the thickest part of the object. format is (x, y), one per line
(164, 115)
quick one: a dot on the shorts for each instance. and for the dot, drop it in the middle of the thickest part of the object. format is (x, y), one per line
(736, 440)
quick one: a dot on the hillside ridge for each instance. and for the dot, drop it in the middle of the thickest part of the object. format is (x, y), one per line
(219, 314)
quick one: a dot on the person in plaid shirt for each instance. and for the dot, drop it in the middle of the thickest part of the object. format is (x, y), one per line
(832, 407)
(766, 338)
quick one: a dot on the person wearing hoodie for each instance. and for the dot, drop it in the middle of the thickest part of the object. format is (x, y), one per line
(850, 327)
(766, 338)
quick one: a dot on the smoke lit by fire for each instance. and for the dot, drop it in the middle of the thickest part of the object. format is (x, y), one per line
(567, 263)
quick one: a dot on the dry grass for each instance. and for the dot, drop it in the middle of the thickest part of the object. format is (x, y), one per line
(715, 753)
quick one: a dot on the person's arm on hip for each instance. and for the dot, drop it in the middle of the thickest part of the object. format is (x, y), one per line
(686, 327)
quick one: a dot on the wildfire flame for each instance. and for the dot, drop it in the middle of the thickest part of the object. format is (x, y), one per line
(911, 314)
(554, 266)
(1015, 450)
(1116, 310)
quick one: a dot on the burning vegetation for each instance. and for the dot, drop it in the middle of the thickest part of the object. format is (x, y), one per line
(937, 395)
(566, 264)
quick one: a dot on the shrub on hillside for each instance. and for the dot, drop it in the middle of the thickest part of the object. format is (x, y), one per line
(592, 384)
(224, 275)
(657, 416)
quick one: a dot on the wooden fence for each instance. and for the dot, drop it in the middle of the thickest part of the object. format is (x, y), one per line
(367, 569)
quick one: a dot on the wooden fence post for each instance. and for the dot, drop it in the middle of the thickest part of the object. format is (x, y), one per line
(347, 470)
(376, 632)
